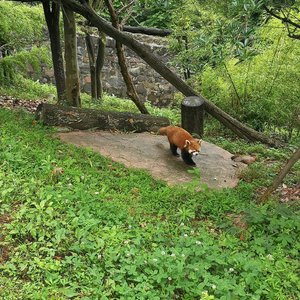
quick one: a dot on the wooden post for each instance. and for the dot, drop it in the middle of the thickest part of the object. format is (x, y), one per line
(192, 115)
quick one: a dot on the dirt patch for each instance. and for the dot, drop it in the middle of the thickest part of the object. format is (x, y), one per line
(151, 152)
(4, 249)
(15, 103)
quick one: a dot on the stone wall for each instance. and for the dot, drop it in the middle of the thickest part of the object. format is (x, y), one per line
(149, 85)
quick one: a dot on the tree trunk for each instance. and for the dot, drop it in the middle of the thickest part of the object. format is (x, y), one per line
(96, 64)
(79, 118)
(92, 62)
(284, 171)
(237, 127)
(147, 30)
(131, 92)
(100, 63)
(52, 20)
(72, 73)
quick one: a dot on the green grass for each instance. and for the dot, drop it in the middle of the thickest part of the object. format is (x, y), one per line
(113, 103)
(27, 89)
(98, 230)
(32, 90)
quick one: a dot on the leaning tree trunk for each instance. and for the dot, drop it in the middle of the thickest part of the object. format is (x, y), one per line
(237, 127)
(284, 171)
(72, 73)
(131, 92)
(52, 20)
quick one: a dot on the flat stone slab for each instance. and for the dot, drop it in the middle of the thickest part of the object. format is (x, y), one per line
(151, 152)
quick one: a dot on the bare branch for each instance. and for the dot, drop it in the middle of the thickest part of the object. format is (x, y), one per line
(5, 45)
(154, 61)
(125, 7)
(283, 19)
(294, 36)
(284, 171)
(126, 18)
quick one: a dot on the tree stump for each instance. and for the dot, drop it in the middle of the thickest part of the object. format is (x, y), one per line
(192, 115)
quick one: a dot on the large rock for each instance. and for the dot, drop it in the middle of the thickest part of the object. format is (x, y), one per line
(151, 152)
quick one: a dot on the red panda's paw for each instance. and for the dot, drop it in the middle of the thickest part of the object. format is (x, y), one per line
(192, 164)
(187, 158)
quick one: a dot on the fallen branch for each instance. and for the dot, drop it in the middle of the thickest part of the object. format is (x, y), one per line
(284, 171)
(83, 118)
(155, 62)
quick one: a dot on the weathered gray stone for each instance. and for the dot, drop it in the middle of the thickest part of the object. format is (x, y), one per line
(140, 89)
(141, 73)
(151, 152)
(87, 87)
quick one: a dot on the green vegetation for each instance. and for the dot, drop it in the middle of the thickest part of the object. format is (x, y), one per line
(76, 225)
(83, 226)
(12, 66)
(21, 25)
(27, 89)
(240, 60)
(261, 91)
(116, 104)
(22, 30)
(154, 13)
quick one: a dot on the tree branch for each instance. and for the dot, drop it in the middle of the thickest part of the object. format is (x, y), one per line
(283, 19)
(125, 7)
(284, 171)
(155, 62)
(147, 30)
(131, 92)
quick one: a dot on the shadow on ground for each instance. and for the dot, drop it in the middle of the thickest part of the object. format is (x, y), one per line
(151, 152)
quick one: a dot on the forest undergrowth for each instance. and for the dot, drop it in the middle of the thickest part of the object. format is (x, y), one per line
(77, 225)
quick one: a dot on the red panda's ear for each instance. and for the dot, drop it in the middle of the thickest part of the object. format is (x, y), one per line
(187, 143)
(199, 141)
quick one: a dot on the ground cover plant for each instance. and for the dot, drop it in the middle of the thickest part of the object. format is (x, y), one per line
(77, 225)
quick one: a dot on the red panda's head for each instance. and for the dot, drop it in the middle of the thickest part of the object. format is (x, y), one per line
(193, 146)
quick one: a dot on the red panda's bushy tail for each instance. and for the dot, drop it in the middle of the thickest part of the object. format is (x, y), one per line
(163, 131)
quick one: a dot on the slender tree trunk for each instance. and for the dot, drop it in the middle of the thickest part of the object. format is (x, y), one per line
(72, 73)
(100, 63)
(92, 61)
(96, 64)
(131, 92)
(52, 20)
(237, 127)
(284, 171)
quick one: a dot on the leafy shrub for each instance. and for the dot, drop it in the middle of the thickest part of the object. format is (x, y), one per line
(21, 61)
(22, 30)
(27, 89)
(157, 14)
(262, 91)
(20, 25)
(101, 230)
(117, 104)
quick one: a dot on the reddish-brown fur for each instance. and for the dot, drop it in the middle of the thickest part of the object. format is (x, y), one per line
(178, 136)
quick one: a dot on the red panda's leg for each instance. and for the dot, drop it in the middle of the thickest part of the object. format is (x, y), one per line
(174, 149)
(187, 158)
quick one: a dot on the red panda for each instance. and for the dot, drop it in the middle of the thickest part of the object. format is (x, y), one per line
(180, 138)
